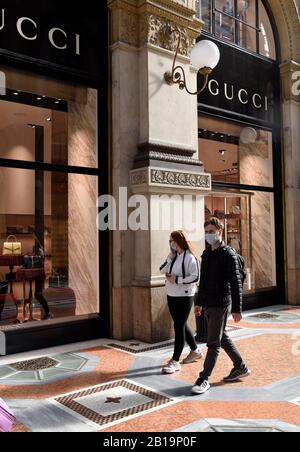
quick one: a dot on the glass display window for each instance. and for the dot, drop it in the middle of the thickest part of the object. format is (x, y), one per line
(236, 154)
(245, 23)
(49, 242)
(249, 228)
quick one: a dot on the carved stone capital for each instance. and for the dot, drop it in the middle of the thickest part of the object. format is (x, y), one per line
(144, 22)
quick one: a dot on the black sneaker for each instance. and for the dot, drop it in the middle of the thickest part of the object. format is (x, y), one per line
(201, 386)
(237, 374)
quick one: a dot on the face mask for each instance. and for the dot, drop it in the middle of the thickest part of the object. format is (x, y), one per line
(173, 247)
(211, 238)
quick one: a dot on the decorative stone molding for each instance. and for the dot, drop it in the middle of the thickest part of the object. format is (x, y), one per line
(138, 178)
(155, 154)
(144, 22)
(164, 157)
(287, 21)
(158, 177)
(183, 179)
(170, 150)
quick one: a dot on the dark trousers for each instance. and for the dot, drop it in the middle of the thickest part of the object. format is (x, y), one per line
(180, 309)
(39, 286)
(217, 339)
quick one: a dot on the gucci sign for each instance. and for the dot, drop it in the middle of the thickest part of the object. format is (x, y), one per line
(29, 30)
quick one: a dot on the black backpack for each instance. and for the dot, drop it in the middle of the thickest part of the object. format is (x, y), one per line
(241, 262)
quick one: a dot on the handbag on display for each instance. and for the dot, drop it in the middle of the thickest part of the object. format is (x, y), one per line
(58, 281)
(12, 247)
(235, 210)
(33, 262)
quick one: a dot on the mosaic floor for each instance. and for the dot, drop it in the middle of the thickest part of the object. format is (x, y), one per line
(113, 386)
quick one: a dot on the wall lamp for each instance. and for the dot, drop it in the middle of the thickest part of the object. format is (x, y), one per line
(205, 56)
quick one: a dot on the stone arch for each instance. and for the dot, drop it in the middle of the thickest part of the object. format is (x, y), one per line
(286, 17)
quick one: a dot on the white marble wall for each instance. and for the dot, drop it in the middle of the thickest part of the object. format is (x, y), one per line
(126, 119)
(291, 118)
(83, 192)
(172, 113)
(256, 168)
(145, 110)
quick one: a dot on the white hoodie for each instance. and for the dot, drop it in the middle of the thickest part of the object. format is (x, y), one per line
(186, 269)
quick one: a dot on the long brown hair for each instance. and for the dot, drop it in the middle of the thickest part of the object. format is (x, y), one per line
(181, 239)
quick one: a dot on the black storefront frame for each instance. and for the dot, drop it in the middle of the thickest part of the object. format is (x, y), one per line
(89, 327)
(264, 297)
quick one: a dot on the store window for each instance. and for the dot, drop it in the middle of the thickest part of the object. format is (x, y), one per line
(242, 22)
(249, 228)
(238, 156)
(48, 235)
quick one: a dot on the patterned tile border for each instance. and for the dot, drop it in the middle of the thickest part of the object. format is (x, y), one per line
(231, 328)
(140, 350)
(47, 369)
(135, 348)
(272, 317)
(238, 425)
(35, 364)
(72, 405)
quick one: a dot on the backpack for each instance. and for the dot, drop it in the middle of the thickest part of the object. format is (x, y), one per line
(241, 262)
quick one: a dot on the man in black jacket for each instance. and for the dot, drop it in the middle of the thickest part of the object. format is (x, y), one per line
(221, 289)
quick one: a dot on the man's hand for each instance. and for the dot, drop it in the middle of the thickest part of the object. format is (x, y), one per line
(198, 311)
(237, 317)
(171, 279)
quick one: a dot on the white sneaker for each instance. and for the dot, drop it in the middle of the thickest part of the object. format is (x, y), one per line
(201, 387)
(193, 357)
(171, 367)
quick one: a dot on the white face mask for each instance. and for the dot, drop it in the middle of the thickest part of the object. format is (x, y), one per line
(173, 247)
(212, 238)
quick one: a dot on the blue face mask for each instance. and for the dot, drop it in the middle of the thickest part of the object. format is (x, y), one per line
(211, 238)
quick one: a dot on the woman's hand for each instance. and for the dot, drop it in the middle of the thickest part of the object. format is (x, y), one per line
(171, 279)
(172, 255)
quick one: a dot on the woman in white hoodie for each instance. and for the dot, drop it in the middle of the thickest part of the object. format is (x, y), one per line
(182, 275)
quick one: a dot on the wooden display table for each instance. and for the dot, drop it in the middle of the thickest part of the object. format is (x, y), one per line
(11, 261)
(29, 275)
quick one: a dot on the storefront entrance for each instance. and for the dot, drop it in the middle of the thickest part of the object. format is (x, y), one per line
(239, 144)
(53, 132)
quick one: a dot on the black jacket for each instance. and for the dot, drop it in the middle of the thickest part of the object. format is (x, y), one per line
(220, 283)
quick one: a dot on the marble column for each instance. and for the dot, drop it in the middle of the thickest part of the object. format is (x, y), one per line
(155, 148)
(83, 193)
(291, 121)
